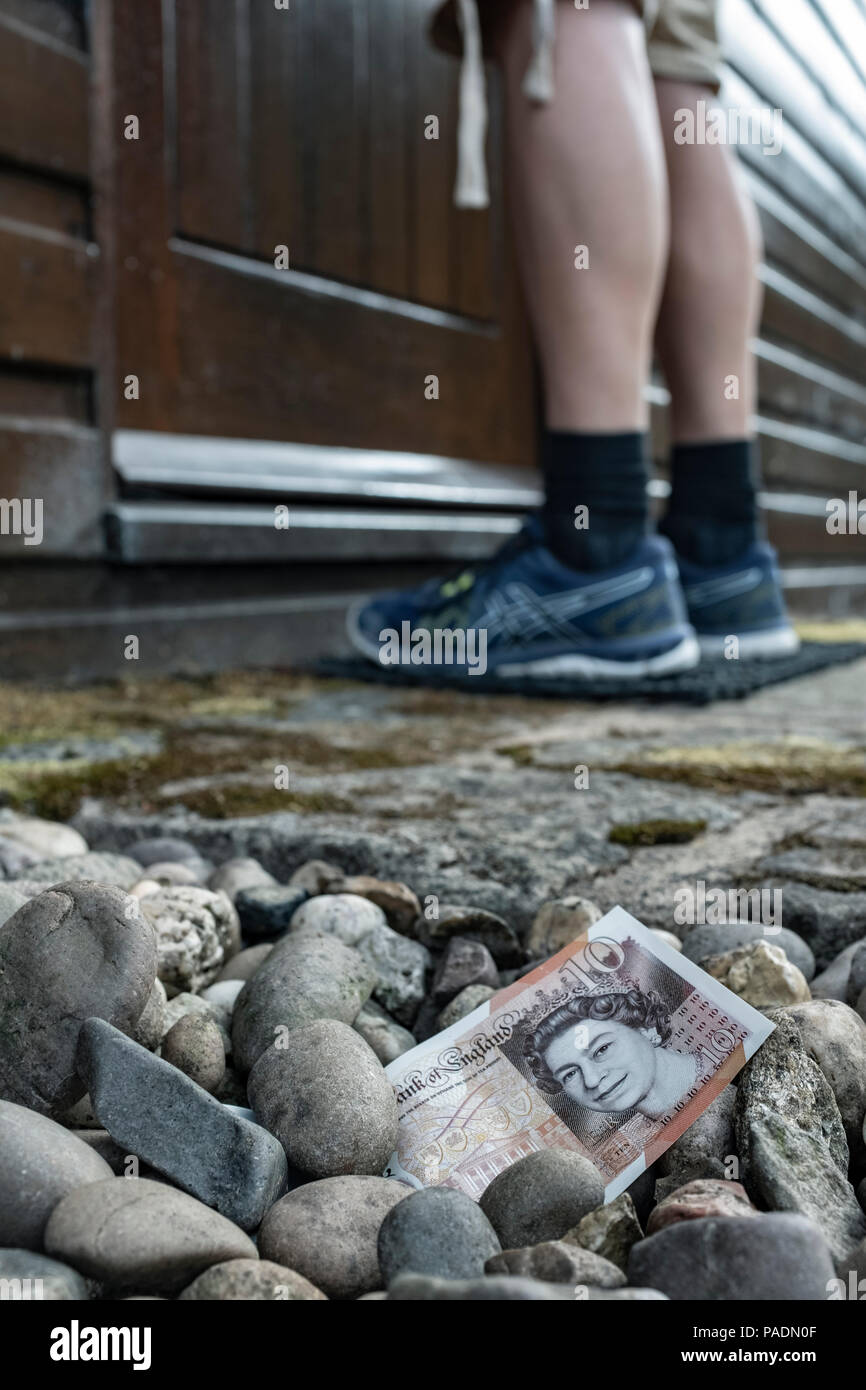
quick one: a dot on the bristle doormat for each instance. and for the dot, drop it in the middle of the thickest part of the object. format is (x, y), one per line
(712, 680)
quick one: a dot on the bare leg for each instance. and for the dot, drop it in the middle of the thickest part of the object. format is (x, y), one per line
(588, 170)
(712, 297)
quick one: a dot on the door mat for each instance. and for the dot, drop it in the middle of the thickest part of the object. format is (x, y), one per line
(712, 680)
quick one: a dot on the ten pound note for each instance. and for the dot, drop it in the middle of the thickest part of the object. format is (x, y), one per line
(612, 1048)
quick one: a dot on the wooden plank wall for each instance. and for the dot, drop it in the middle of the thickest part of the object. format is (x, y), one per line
(49, 278)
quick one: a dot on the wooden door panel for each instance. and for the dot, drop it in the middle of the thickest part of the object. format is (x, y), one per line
(305, 128)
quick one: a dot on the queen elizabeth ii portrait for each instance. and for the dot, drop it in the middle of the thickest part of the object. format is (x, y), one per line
(608, 1052)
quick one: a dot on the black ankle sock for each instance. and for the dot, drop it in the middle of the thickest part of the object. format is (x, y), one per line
(606, 474)
(713, 513)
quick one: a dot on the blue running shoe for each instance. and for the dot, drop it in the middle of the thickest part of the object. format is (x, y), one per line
(742, 600)
(523, 613)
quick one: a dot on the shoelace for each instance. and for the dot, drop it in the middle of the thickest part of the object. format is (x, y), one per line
(471, 190)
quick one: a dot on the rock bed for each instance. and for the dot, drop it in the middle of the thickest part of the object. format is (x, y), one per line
(193, 1102)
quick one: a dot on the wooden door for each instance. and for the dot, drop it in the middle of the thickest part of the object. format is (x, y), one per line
(304, 128)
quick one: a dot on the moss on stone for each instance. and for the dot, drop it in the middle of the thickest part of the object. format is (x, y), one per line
(656, 832)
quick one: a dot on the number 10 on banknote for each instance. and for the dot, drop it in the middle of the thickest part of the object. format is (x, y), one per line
(611, 1048)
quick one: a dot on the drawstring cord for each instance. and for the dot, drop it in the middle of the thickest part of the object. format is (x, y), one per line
(471, 189)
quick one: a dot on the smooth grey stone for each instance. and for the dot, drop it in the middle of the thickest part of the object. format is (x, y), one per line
(834, 1036)
(40, 1162)
(328, 1231)
(154, 1111)
(303, 978)
(10, 901)
(246, 1280)
(15, 859)
(197, 932)
(702, 942)
(157, 849)
(223, 993)
(388, 1038)
(266, 910)
(856, 976)
(542, 1196)
(236, 874)
(112, 870)
(503, 1288)
(77, 951)
(463, 1004)
(245, 964)
(791, 1140)
(779, 1255)
(832, 983)
(702, 1150)
(827, 920)
(436, 1231)
(31, 1277)
(476, 924)
(195, 1047)
(464, 962)
(136, 1234)
(327, 1099)
(150, 1028)
(42, 839)
(116, 1156)
(558, 1262)
(172, 875)
(400, 964)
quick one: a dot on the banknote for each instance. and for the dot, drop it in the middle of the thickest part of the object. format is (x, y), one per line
(611, 1048)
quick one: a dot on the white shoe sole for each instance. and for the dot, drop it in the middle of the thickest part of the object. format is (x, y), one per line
(683, 657)
(754, 646)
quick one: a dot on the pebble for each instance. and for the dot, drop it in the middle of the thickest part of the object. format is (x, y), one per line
(436, 1231)
(399, 904)
(558, 1262)
(48, 1281)
(304, 978)
(702, 942)
(327, 1099)
(328, 1231)
(791, 1141)
(834, 1036)
(463, 1004)
(245, 964)
(157, 849)
(388, 1038)
(223, 994)
(558, 923)
(114, 870)
(153, 1110)
(737, 1259)
(15, 859)
(759, 973)
(541, 1197)
(316, 876)
(134, 1234)
(40, 1162)
(609, 1231)
(195, 1047)
(197, 932)
(251, 1279)
(43, 839)
(266, 910)
(151, 1026)
(832, 983)
(703, 1197)
(488, 928)
(856, 976)
(239, 873)
(703, 1150)
(463, 963)
(172, 875)
(10, 901)
(668, 938)
(77, 951)
(183, 1004)
(400, 965)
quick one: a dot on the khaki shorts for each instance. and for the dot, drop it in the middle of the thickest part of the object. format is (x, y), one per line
(682, 38)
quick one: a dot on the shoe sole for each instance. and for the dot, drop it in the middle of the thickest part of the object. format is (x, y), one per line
(683, 657)
(754, 646)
